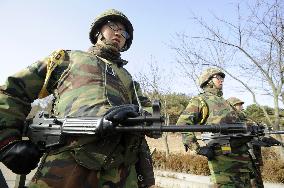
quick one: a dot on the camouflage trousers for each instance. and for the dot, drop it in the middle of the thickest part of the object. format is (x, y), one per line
(62, 171)
(230, 171)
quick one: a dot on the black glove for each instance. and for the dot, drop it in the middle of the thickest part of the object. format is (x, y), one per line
(270, 141)
(119, 114)
(21, 157)
(207, 152)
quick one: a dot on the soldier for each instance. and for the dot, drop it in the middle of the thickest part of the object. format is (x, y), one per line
(254, 151)
(236, 103)
(229, 165)
(92, 83)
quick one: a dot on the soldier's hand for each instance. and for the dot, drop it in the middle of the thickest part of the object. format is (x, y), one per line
(270, 141)
(206, 151)
(119, 114)
(21, 157)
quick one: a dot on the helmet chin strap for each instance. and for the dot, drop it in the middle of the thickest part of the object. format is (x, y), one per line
(211, 84)
(211, 87)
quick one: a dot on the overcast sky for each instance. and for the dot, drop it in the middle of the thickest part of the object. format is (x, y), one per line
(32, 29)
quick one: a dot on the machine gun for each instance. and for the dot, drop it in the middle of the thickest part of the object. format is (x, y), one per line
(50, 132)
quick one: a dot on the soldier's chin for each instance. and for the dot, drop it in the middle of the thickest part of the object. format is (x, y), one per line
(113, 46)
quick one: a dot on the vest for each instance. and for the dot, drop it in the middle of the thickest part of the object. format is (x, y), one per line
(88, 85)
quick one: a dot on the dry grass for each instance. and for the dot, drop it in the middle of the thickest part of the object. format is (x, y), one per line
(179, 161)
(273, 166)
(272, 170)
(192, 164)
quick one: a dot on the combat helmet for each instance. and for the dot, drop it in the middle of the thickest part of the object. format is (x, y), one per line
(113, 15)
(206, 75)
(234, 100)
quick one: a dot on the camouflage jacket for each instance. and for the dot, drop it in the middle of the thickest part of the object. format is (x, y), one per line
(84, 84)
(219, 111)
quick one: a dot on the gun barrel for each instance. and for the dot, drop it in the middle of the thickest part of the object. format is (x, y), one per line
(275, 132)
(235, 128)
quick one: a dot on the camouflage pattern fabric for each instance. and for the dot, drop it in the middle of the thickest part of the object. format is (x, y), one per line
(230, 170)
(16, 96)
(207, 75)
(254, 150)
(61, 170)
(84, 84)
(106, 85)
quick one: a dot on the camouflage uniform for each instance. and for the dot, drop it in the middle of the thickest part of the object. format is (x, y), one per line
(254, 150)
(227, 170)
(84, 84)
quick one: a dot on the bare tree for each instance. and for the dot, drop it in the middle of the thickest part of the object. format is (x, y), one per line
(250, 48)
(155, 83)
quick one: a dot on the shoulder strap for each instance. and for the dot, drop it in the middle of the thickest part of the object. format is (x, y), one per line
(55, 59)
(204, 110)
(119, 74)
(104, 60)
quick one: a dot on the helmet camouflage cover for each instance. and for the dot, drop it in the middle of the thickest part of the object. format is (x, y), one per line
(206, 75)
(113, 15)
(234, 100)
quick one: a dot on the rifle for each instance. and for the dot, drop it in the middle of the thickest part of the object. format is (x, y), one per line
(50, 132)
(255, 134)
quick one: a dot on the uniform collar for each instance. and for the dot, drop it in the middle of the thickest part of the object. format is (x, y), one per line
(213, 90)
(108, 54)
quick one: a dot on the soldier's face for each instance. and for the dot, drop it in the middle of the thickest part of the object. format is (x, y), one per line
(218, 81)
(114, 34)
(239, 107)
